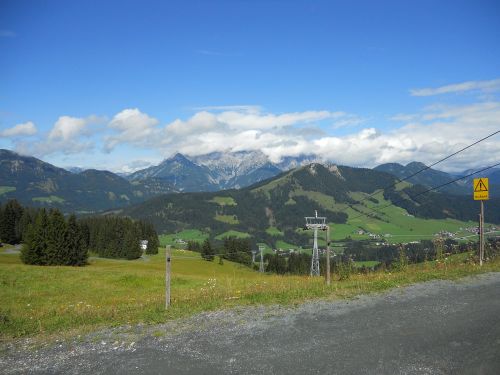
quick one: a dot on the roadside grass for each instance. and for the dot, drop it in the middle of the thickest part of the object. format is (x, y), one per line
(45, 302)
(366, 263)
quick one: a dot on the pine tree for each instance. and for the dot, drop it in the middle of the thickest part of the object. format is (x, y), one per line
(27, 218)
(35, 249)
(207, 252)
(9, 221)
(57, 233)
(149, 234)
(131, 243)
(77, 252)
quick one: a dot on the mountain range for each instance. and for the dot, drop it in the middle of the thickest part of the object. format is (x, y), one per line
(351, 198)
(35, 182)
(218, 171)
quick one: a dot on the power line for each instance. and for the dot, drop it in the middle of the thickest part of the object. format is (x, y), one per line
(430, 166)
(425, 192)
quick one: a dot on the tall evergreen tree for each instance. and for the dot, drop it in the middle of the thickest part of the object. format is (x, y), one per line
(77, 252)
(35, 248)
(9, 221)
(131, 243)
(149, 234)
(207, 251)
(57, 238)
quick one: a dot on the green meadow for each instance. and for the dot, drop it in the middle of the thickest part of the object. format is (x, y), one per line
(186, 235)
(50, 301)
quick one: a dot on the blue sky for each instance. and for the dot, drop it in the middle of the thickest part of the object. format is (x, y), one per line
(123, 84)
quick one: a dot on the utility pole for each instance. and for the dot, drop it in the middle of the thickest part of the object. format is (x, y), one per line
(327, 255)
(168, 264)
(261, 265)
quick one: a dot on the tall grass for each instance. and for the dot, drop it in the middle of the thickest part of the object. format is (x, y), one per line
(40, 301)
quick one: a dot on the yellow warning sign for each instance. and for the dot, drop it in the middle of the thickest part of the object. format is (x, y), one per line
(481, 189)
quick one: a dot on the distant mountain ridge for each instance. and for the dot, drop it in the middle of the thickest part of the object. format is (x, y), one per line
(282, 202)
(219, 170)
(431, 177)
(37, 183)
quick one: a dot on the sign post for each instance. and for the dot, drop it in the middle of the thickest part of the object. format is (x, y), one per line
(481, 193)
(327, 255)
(168, 255)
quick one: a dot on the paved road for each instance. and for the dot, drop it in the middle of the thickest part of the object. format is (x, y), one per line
(437, 327)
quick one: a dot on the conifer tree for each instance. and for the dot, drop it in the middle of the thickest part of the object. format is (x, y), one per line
(131, 243)
(207, 252)
(77, 253)
(57, 233)
(35, 248)
(9, 219)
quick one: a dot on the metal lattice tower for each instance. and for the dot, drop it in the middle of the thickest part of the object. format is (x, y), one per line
(261, 265)
(315, 223)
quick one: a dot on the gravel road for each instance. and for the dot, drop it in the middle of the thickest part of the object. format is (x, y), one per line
(438, 327)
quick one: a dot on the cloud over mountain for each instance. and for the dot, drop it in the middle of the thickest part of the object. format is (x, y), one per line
(346, 138)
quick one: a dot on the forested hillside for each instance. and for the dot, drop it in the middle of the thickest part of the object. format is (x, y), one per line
(276, 208)
(36, 183)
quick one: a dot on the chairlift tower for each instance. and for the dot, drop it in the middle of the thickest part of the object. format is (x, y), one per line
(315, 223)
(261, 264)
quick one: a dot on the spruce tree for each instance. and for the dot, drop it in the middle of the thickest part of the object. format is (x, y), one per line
(131, 243)
(149, 234)
(9, 220)
(207, 252)
(57, 233)
(77, 253)
(35, 248)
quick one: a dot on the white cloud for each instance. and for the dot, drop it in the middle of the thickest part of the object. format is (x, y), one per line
(133, 127)
(26, 129)
(483, 86)
(67, 128)
(427, 136)
(69, 135)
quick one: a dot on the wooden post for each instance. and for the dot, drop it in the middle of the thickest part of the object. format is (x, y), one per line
(327, 255)
(167, 276)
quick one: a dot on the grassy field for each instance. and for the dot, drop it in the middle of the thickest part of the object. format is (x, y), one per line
(224, 201)
(285, 246)
(396, 225)
(51, 199)
(232, 233)
(273, 231)
(186, 235)
(366, 263)
(6, 189)
(46, 301)
(228, 219)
